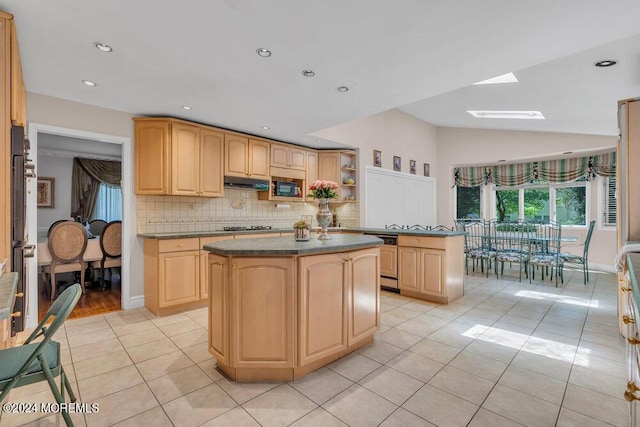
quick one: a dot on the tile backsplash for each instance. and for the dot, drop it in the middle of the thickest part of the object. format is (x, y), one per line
(163, 214)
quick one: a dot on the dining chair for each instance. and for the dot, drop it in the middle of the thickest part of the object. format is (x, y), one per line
(582, 260)
(56, 223)
(544, 251)
(477, 243)
(36, 361)
(96, 226)
(511, 245)
(67, 243)
(111, 245)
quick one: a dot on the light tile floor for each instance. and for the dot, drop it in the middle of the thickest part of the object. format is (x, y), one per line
(508, 353)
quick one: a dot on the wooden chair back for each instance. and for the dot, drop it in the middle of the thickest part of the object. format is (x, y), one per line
(67, 244)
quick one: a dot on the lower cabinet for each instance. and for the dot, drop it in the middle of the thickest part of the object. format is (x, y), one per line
(175, 277)
(263, 312)
(5, 333)
(178, 278)
(278, 318)
(431, 268)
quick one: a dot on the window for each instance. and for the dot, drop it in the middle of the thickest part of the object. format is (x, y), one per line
(564, 203)
(467, 202)
(571, 205)
(609, 202)
(507, 205)
(109, 203)
(536, 205)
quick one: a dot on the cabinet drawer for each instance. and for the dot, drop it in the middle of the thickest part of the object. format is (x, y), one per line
(176, 245)
(422, 242)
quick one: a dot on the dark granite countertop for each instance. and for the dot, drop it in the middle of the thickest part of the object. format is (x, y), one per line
(8, 284)
(287, 245)
(380, 231)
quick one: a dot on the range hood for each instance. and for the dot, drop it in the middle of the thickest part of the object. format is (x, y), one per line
(246, 183)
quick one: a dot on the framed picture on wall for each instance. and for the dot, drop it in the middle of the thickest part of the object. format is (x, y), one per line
(46, 192)
(426, 169)
(412, 166)
(377, 158)
(397, 163)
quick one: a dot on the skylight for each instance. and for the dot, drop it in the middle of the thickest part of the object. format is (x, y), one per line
(529, 115)
(504, 78)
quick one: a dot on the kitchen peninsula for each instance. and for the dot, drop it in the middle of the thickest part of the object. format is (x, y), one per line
(279, 309)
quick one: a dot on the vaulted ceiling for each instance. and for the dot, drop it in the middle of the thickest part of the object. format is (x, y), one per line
(420, 56)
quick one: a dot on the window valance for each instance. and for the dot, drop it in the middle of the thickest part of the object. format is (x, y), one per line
(551, 171)
(86, 177)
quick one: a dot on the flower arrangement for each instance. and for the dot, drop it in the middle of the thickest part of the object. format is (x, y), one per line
(301, 225)
(322, 189)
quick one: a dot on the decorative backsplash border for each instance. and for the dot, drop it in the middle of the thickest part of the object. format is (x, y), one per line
(163, 214)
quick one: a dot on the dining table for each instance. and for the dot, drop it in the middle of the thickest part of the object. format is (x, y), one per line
(92, 253)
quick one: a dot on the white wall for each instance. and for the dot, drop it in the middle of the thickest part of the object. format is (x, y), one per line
(59, 168)
(457, 146)
(393, 132)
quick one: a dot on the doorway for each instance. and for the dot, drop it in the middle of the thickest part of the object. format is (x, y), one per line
(56, 143)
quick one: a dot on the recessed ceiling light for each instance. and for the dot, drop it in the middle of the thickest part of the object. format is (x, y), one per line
(89, 83)
(504, 78)
(265, 53)
(308, 73)
(319, 140)
(265, 128)
(186, 107)
(343, 89)
(103, 47)
(529, 115)
(606, 63)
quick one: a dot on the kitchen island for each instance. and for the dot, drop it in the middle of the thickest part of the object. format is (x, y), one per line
(279, 309)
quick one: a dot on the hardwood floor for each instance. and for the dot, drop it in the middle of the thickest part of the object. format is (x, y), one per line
(94, 301)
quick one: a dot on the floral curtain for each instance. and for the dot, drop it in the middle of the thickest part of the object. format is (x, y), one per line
(551, 171)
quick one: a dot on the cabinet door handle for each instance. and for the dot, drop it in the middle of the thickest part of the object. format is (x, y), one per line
(626, 319)
(233, 266)
(626, 289)
(633, 341)
(218, 264)
(348, 259)
(16, 314)
(19, 294)
(629, 393)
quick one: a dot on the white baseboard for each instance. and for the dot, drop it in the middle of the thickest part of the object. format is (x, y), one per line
(134, 302)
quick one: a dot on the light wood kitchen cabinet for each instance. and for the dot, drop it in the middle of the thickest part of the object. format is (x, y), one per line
(322, 293)
(246, 157)
(431, 268)
(171, 274)
(335, 307)
(5, 333)
(177, 158)
(363, 278)
(288, 156)
(389, 261)
(262, 320)
(18, 89)
(204, 265)
(340, 167)
(12, 111)
(217, 270)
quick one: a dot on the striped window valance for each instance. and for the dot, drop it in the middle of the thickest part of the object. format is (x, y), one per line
(551, 171)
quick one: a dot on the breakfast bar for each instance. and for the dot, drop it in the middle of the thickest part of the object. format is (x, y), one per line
(279, 308)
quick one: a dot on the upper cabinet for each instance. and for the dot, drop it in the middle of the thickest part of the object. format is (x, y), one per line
(18, 90)
(178, 158)
(246, 157)
(288, 156)
(340, 167)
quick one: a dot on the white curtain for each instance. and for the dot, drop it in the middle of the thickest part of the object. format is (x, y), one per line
(109, 203)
